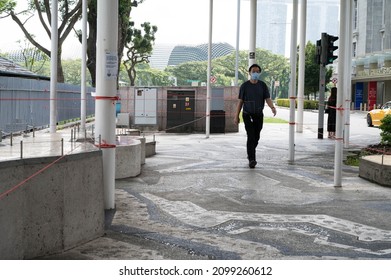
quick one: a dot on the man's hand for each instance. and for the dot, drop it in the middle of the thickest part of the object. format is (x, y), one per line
(236, 120)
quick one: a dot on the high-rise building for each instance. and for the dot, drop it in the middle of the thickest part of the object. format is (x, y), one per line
(274, 22)
(371, 52)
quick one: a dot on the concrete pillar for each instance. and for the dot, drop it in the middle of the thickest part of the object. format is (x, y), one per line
(106, 86)
(300, 99)
(292, 82)
(253, 33)
(53, 67)
(340, 96)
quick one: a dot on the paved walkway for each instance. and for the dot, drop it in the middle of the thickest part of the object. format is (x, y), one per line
(197, 199)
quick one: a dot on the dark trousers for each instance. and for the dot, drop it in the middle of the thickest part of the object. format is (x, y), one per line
(253, 124)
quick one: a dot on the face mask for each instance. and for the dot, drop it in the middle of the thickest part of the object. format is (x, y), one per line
(255, 76)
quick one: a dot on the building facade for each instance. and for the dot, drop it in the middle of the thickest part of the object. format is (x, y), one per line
(274, 23)
(371, 79)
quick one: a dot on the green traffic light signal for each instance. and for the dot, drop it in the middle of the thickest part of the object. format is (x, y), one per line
(331, 48)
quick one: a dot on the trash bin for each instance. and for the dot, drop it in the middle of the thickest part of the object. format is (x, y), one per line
(217, 121)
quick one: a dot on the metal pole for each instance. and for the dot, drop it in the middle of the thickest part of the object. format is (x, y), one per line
(340, 97)
(300, 100)
(209, 74)
(237, 44)
(322, 84)
(53, 67)
(322, 78)
(292, 82)
(21, 149)
(253, 32)
(348, 62)
(106, 85)
(83, 103)
(62, 146)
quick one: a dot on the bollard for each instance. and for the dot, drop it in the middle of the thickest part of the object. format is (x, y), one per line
(62, 146)
(33, 131)
(11, 138)
(21, 149)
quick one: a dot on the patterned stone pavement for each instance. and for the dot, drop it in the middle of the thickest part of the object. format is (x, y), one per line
(197, 199)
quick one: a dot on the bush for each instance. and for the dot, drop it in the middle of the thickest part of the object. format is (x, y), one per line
(385, 127)
(308, 104)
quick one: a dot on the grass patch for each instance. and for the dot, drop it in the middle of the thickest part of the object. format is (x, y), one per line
(273, 120)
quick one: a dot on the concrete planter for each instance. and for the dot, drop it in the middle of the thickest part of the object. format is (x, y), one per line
(376, 168)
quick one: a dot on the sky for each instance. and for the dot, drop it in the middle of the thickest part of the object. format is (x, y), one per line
(179, 22)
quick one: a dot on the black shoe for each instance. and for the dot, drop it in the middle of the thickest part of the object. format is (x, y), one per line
(252, 163)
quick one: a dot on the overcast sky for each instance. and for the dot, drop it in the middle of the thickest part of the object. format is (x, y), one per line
(178, 22)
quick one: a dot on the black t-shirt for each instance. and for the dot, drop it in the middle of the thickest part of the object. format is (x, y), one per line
(253, 96)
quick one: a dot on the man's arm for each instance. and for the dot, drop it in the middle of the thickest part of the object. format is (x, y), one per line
(238, 109)
(271, 105)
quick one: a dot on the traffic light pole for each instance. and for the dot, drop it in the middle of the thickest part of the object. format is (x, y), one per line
(322, 78)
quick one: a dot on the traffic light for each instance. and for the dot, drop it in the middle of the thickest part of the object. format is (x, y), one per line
(328, 48)
(318, 51)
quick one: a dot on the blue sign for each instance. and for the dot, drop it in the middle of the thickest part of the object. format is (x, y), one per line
(359, 96)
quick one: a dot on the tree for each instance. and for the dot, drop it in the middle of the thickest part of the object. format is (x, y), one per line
(312, 71)
(274, 68)
(125, 7)
(139, 47)
(33, 59)
(188, 72)
(69, 14)
(6, 5)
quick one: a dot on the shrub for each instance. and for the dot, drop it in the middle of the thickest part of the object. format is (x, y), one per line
(308, 104)
(385, 127)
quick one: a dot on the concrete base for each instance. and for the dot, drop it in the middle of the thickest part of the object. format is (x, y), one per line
(128, 157)
(150, 149)
(58, 207)
(376, 168)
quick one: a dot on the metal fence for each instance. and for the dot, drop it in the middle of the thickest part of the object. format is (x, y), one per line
(25, 103)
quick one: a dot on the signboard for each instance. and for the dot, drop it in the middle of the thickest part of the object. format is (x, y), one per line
(111, 67)
(359, 95)
(372, 92)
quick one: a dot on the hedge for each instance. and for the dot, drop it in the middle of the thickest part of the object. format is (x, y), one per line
(308, 104)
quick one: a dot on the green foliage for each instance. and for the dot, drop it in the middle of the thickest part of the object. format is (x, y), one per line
(7, 5)
(283, 102)
(139, 46)
(188, 72)
(308, 104)
(385, 128)
(312, 71)
(274, 68)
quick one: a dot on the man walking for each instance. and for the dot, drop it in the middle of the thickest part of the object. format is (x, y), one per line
(252, 97)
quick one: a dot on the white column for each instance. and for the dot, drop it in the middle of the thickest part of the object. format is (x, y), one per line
(340, 95)
(53, 67)
(253, 32)
(348, 63)
(292, 82)
(300, 97)
(106, 85)
(209, 74)
(83, 97)
(237, 44)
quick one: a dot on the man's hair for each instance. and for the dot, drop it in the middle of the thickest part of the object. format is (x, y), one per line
(255, 65)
